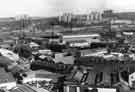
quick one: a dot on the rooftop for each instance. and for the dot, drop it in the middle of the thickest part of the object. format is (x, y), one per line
(5, 76)
(23, 88)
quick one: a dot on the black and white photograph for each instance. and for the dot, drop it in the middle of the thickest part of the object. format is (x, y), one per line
(67, 45)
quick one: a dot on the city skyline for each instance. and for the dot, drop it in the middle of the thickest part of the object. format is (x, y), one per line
(48, 8)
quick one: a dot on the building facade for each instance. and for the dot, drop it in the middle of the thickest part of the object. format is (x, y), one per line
(66, 17)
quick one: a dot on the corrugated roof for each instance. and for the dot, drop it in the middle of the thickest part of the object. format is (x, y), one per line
(26, 89)
(23, 88)
(40, 89)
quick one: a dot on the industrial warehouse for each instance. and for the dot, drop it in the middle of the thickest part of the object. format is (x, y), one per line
(67, 46)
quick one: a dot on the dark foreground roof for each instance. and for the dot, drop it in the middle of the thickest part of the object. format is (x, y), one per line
(23, 88)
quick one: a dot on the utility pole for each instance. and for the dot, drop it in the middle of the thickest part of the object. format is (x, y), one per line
(52, 31)
(24, 22)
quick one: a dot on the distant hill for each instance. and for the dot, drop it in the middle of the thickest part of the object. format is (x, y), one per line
(125, 15)
(8, 19)
(13, 24)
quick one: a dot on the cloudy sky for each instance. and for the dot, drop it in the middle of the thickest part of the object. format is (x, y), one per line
(121, 5)
(47, 8)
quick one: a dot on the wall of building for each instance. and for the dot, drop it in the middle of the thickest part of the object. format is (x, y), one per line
(93, 17)
(88, 38)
